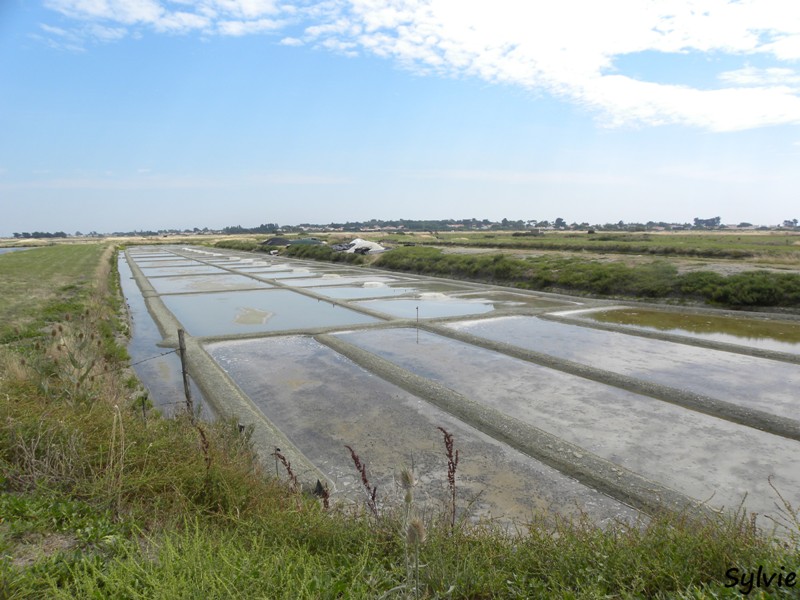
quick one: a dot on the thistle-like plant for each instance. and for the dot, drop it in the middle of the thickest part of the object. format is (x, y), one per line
(452, 464)
(370, 490)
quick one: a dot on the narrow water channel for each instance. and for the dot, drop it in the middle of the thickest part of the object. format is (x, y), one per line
(158, 368)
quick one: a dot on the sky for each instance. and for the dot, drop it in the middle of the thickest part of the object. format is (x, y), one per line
(121, 115)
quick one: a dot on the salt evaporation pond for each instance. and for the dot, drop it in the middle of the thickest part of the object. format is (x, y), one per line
(195, 269)
(166, 262)
(767, 385)
(293, 274)
(323, 401)
(428, 307)
(338, 280)
(350, 292)
(205, 283)
(752, 333)
(265, 268)
(699, 455)
(231, 313)
(512, 300)
(154, 255)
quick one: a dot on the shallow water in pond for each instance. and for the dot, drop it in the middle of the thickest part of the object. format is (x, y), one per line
(205, 283)
(425, 286)
(152, 255)
(231, 313)
(428, 307)
(330, 279)
(348, 292)
(512, 300)
(148, 264)
(195, 269)
(755, 333)
(696, 454)
(293, 274)
(265, 268)
(759, 383)
(323, 401)
(10, 250)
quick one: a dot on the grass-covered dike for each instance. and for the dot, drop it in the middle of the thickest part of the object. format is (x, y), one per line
(656, 279)
(100, 499)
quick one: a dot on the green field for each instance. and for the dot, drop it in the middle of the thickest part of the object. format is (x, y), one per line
(735, 245)
(101, 500)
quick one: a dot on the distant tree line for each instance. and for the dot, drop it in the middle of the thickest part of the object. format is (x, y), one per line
(422, 225)
(39, 235)
(263, 228)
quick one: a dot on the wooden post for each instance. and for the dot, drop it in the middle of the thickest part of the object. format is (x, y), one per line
(186, 389)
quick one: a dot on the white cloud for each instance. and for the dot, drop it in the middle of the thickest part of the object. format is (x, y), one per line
(239, 28)
(773, 76)
(246, 9)
(125, 12)
(107, 34)
(567, 48)
(181, 22)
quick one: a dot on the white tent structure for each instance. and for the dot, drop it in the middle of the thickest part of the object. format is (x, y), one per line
(358, 245)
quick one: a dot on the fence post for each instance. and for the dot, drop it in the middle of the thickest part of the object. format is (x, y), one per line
(186, 389)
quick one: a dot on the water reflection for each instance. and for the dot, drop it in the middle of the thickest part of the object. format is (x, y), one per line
(760, 383)
(323, 401)
(161, 375)
(694, 453)
(230, 313)
(768, 335)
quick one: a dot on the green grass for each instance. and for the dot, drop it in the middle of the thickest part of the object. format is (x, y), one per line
(42, 285)
(656, 279)
(710, 245)
(98, 502)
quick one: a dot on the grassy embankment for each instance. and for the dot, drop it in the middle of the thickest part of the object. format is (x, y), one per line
(98, 501)
(696, 244)
(657, 279)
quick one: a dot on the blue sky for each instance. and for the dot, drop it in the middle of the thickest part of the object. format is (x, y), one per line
(149, 114)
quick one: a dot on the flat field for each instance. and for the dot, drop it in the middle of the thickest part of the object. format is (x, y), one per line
(44, 284)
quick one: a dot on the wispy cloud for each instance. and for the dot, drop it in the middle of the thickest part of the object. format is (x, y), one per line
(524, 177)
(567, 49)
(145, 179)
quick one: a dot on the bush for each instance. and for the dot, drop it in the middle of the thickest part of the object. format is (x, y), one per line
(322, 252)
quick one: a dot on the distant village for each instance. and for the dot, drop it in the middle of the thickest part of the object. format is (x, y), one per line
(530, 227)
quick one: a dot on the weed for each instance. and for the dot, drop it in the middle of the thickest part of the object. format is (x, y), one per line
(369, 489)
(288, 466)
(452, 465)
